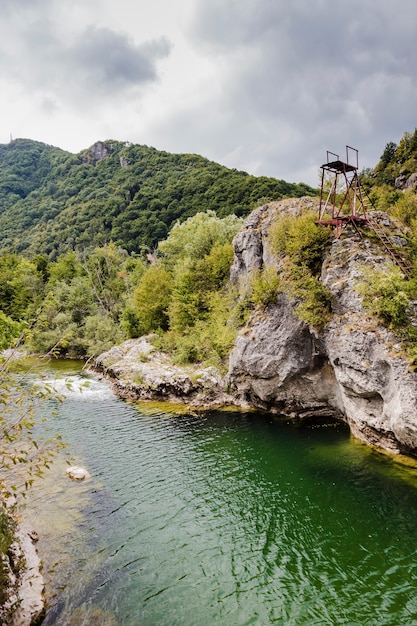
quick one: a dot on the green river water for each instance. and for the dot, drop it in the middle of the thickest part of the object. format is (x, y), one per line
(222, 519)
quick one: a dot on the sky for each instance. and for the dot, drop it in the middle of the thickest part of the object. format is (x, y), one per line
(264, 86)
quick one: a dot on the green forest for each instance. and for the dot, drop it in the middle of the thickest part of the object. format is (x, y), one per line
(151, 249)
(52, 201)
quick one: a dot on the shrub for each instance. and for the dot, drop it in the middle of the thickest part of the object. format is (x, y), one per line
(300, 239)
(300, 244)
(386, 293)
(263, 286)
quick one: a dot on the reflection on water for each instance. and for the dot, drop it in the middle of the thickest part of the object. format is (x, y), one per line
(221, 519)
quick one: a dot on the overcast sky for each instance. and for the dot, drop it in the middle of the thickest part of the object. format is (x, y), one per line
(266, 86)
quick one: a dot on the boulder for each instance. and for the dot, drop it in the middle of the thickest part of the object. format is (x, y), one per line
(77, 473)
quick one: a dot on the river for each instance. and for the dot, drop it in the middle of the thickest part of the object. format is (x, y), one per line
(221, 519)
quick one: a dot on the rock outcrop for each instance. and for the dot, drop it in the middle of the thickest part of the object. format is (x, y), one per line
(406, 181)
(353, 369)
(24, 605)
(138, 371)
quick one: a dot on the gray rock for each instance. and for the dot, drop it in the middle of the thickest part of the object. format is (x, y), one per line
(405, 182)
(77, 473)
(353, 369)
(139, 371)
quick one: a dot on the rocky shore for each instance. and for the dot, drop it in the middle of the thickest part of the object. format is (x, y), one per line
(137, 370)
(25, 602)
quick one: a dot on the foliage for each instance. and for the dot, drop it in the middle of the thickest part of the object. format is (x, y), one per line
(19, 447)
(301, 239)
(9, 329)
(53, 201)
(20, 285)
(25, 166)
(6, 539)
(314, 299)
(81, 311)
(210, 338)
(299, 243)
(389, 295)
(396, 160)
(386, 293)
(23, 456)
(405, 208)
(195, 238)
(263, 287)
(151, 298)
(191, 278)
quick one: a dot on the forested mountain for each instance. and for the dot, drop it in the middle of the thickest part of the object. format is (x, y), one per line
(52, 201)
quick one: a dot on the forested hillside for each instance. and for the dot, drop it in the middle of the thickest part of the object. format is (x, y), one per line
(52, 201)
(74, 228)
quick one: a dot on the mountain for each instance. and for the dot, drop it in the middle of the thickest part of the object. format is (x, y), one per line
(52, 201)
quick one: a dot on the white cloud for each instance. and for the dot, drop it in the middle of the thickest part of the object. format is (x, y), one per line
(265, 86)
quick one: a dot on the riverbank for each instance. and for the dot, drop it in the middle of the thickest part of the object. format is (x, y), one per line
(24, 597)
(111, 548)
(136, 370)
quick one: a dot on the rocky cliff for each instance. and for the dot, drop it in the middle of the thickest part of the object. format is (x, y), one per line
(353, 369)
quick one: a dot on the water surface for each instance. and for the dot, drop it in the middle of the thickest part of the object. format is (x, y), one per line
(221, 519)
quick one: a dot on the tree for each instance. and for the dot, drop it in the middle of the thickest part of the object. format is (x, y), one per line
(152, 297)
(388, 156)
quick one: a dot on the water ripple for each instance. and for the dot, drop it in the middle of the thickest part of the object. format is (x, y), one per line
(221, 519)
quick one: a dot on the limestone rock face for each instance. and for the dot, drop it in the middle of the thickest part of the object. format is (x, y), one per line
(278, 364)
(353, 369)
(251, 242)
(99, 151)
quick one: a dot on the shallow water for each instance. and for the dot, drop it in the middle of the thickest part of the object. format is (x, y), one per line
(222, 519)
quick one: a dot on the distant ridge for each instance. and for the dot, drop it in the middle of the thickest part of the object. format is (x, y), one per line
(52, 200)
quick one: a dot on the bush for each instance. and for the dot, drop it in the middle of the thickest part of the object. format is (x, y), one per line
(6, 539)
(263, 286)
(300, 239)
(386, 293)
(300, 244)
(152, 297)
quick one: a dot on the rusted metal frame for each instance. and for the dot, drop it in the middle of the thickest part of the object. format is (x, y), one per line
(331, 196)
(337, 168)
(321, 194)
(356, 227)
(383, 237)
(357, 156)
(347, 195)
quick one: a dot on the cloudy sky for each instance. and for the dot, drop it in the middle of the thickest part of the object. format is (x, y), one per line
(266, 86)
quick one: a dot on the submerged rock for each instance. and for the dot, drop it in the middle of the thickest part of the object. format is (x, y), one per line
(77, 473)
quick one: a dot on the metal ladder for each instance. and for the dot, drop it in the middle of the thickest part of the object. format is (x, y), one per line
(385, 239)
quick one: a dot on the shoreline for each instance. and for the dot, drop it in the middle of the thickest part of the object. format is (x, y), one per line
(31, 583)
(25, 604)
